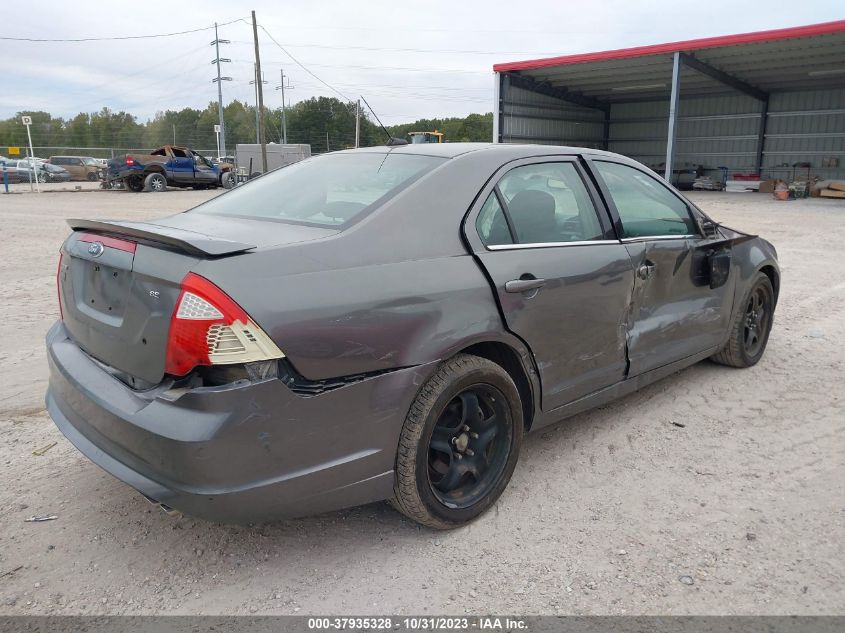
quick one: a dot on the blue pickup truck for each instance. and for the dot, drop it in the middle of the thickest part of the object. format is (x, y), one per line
(168, 166)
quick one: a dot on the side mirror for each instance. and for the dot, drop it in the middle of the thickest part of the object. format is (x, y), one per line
(709, 227)
(720, 268)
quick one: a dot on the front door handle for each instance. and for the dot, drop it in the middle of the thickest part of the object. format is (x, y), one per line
(524, 285)
(646, 270)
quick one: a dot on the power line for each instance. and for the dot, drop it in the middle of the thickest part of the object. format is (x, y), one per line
(419, 50)
(121, 37)
(298, 63)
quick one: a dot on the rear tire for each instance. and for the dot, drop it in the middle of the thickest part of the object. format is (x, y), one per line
(134, 183)
(227, 180)
(92, 177)
(459, 444)
(751, 326)
(155, 182)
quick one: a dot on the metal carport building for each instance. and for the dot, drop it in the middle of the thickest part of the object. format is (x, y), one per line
(756, 102)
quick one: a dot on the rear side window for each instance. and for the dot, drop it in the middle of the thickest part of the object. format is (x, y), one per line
(645, 206)
(491, 223)
(546, 202)
(328, 190)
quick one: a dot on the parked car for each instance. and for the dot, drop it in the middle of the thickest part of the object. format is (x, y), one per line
(386, 323)
(9, 171)
(80, 167)
(168, 166)
(23, 170)
(53, 173)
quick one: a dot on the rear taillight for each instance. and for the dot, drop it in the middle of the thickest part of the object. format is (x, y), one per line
(59, 287)
(209, 328)
(130, 161)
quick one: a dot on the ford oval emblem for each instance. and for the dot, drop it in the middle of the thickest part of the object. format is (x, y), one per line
(96, 249)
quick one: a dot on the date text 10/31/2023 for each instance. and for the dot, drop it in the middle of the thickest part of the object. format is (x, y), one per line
(424, 623)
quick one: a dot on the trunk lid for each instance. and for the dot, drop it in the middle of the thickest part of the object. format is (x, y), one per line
(119, 282)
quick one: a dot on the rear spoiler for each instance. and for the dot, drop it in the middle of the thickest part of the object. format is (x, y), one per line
(187, 241)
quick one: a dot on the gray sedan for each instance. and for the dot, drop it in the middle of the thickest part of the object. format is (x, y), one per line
(387, 323)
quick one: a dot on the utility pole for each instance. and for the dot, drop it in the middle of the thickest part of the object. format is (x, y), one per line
(282, 87)
(260, 91)
(357, 123)
(255, 83)
(216, 43)
(174, 133)
(328, 149)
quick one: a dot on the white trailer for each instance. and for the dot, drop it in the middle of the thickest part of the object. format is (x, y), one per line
(278, 155)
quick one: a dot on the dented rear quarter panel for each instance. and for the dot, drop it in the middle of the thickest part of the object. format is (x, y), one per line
(397, 289)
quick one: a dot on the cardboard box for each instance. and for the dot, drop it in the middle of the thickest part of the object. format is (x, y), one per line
(832, 193)
(768, 186)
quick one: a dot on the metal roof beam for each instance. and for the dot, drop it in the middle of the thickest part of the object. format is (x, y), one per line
(729, 80)
(528, 83)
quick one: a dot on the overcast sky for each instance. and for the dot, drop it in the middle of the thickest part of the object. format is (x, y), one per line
(410, 59)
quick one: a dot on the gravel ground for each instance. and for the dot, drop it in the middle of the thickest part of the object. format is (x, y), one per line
(713, 491)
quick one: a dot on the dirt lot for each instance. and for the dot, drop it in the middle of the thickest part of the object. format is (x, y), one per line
(620, 510)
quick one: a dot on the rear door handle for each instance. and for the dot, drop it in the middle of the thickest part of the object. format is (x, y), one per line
(646, 270)
(524, 285)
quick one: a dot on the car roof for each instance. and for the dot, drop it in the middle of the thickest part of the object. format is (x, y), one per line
(509, 150)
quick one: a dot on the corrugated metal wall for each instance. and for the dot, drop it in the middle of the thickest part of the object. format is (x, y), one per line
(529, 117)
(712, 132)
(806, 127)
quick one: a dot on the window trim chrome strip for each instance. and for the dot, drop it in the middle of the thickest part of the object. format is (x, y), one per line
(513, 247)
(648, 238)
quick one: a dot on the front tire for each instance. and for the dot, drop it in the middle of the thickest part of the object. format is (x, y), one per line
(751, 326)
(459, 444)
(227, 180)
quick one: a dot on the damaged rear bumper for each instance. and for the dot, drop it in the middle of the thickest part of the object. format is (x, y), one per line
(238, 453)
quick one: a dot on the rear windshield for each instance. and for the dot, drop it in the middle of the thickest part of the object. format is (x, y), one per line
(330, 190)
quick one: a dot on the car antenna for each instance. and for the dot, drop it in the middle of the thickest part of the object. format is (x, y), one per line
(391, 140)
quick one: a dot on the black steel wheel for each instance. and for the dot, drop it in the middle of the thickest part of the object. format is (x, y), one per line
(751, 326)
(459, 444)
(469, 446)
(92, 176)
(758, 314)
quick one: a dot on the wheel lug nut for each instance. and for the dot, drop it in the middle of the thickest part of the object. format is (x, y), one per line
(474, 435)
(454, 440)
(470, 452)
(466, 428)
(459, 456)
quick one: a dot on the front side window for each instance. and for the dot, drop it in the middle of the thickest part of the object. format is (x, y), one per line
(547, 203)
(328, 190)
(645, 206)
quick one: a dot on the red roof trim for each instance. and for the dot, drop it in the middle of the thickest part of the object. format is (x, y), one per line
(825, 28)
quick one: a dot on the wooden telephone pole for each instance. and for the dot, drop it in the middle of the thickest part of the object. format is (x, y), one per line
(261, 133)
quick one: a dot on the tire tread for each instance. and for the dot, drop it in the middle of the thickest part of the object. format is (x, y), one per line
(732, 354)
(406, 498)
